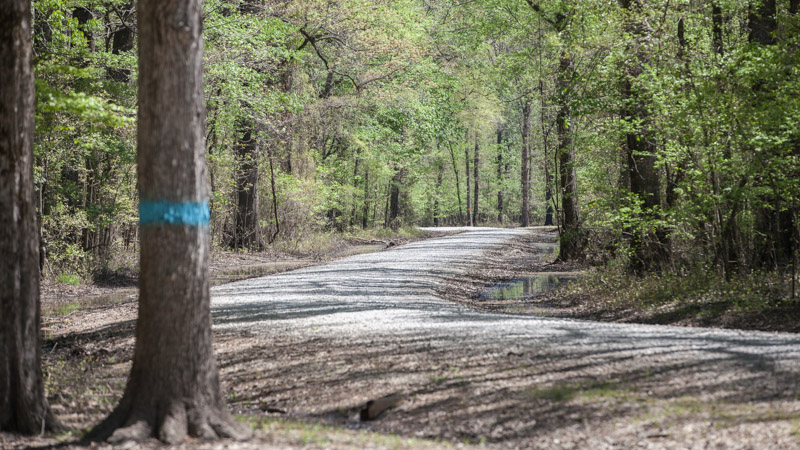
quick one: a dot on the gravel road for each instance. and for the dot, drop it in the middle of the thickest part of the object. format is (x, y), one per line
(322, 340)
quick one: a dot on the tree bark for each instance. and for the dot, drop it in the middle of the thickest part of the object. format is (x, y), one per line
(775, 227)
(716, 29)
(173, 389)
(526, 163)
(675, 175)
(647, 248)
(476, 160)
(500, 176)
(762, 22)
(395, 198)
(123, 40)
(354, 196)
(548, 176)
(571, 238)
(246, 230)
(274, 197)
(365, 211)
(23, 405)
(83, 16)
(458, 183)
(439, 178)
(469, 193)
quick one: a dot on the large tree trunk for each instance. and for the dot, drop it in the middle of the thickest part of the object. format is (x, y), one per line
(83, 16)
(246, 230)
(123, 40)
(648, 248)
(571, 238)
(476, 160)
(526, 163)
(23, 405)
(173, 389)
(762, 22)
(774, 227)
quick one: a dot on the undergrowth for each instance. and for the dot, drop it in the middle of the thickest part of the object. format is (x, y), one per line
(756, 300)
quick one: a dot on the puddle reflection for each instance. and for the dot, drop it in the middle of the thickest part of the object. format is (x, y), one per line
(527, 287)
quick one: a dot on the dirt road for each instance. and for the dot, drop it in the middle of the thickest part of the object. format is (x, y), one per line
(320, 341)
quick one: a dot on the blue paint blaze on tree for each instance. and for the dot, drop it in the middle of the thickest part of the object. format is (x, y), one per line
(164, 212)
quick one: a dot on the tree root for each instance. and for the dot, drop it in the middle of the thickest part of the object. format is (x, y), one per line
(170, 424)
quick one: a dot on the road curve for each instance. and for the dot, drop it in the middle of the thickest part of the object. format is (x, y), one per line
(388, 301)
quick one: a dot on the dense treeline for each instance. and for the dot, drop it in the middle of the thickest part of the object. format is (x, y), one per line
(657, 134)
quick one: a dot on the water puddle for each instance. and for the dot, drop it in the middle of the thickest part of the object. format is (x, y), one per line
(69, 305)
(527, 287)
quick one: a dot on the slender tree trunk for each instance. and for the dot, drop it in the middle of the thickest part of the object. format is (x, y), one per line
(386, 207)
(500, 176)
(548, 199)
(354, 196)
(475, 164)
(716, 29)
(23, 405)
(329, 84)
(439, 178)
(526, 163)
(548, 177)
(571, 238)
(469, 193)
(365, 210)
(89, 234)
(274, 195)
(674, 175)
(173, 389)
(458, 183)
(395, 198)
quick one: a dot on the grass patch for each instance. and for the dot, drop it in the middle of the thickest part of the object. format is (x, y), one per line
(69, 278)
(592, 391)
(294, 433)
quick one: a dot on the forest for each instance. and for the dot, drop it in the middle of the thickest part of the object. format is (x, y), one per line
(662, 133)
(658, 133)
(657, 136)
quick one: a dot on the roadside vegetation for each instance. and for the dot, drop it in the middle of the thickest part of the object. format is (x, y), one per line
(753, 301)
